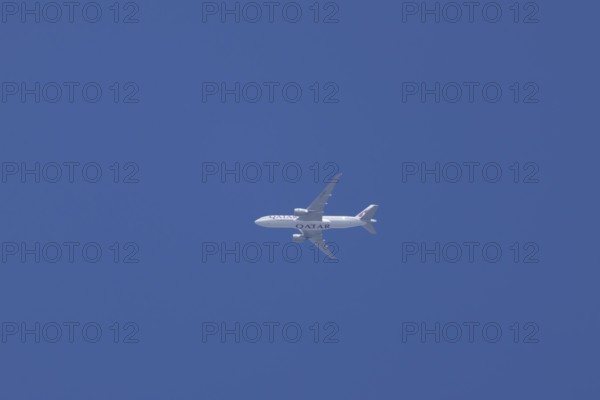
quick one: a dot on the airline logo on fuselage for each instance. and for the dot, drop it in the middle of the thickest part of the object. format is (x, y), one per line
(299, 226)
(312, 226)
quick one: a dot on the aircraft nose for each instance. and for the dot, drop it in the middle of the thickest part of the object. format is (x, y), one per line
(258, 221)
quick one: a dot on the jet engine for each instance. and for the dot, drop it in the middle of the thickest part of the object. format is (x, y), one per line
(300, 211)
(298, 237)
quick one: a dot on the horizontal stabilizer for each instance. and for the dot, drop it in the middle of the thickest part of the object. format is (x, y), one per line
(369, 226)
(367, 215)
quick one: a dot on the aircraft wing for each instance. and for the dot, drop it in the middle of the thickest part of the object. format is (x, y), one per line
(317, 207)
(317, 238)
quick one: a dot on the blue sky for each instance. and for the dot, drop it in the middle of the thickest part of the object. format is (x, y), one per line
(159, 121)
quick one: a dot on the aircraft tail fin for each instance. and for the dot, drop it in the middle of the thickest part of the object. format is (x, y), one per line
(367, 215)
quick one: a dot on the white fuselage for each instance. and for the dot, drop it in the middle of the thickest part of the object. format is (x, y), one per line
(292, 221)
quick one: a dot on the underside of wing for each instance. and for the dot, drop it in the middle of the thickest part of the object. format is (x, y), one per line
(317, 238)
(317, 207)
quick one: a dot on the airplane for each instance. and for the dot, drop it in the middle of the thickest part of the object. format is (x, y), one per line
(311, 222)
